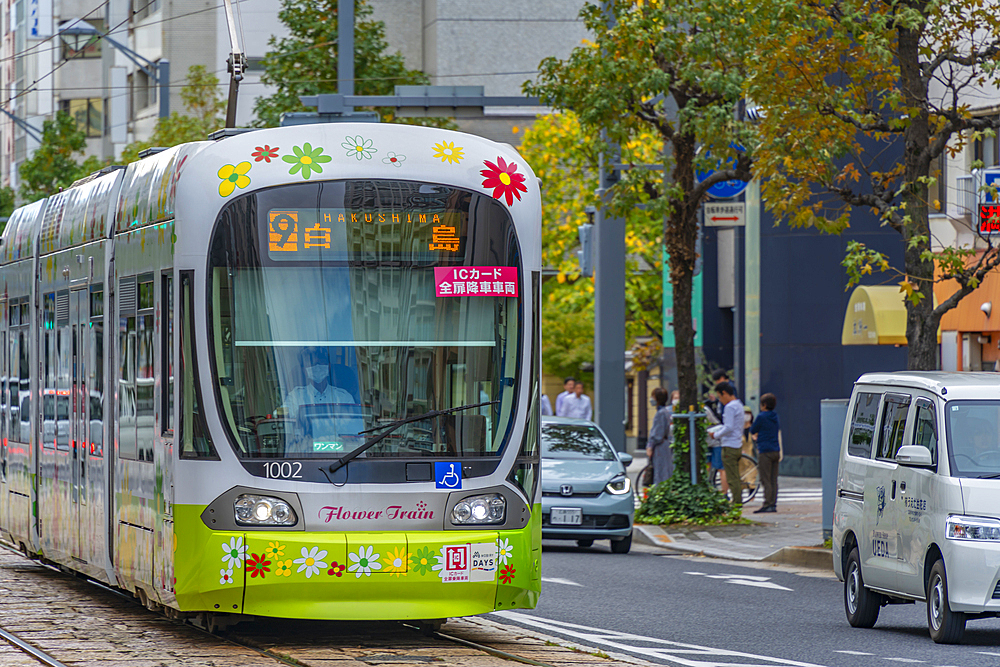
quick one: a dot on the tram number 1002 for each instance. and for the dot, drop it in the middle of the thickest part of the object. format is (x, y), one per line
(283, 470)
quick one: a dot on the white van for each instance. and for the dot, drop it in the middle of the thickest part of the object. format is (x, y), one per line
(917, 516)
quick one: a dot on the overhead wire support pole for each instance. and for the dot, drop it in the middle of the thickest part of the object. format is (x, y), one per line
(23, 124)
(236, 64)
(345, 48)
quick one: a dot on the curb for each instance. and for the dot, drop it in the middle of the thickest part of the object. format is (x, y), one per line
(817, 558)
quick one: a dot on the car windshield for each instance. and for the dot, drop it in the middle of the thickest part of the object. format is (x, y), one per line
(339, 307)
(575, 441)
(973, 438)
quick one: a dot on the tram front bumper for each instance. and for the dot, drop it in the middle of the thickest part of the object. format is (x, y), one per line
(359, 576)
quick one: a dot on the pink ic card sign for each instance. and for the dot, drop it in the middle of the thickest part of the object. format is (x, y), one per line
(475, 281)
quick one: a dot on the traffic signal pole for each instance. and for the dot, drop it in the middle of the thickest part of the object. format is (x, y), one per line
(609, 309)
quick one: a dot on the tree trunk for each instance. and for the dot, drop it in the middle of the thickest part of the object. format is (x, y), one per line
(921, 324)
(681, 235)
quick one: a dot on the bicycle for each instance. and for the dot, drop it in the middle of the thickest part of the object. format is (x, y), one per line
(749, 479)
(641, 487)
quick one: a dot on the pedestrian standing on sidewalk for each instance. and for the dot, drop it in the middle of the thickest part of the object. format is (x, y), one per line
(546, 406)
(568, 385)
(658, 444)
(577, 404)
(767, 430)
(730, 435)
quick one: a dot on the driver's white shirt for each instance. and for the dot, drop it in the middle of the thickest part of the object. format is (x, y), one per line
(310, 395)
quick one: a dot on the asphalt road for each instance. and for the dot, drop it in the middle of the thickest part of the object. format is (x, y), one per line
(682, 610)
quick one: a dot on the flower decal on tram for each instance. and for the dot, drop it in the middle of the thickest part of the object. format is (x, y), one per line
(257, 566)
(421, 561)
(307, 160)
(395, 562)
(504, 180)
(265, 153)
(394, 159)
(311, 561)
(363, 562)
(504, 550)
(283, 568)
(274, 550)
(234, 553)
(359, 147)
(336, 569)
(225, 576)
(233, 176)
(448, 152)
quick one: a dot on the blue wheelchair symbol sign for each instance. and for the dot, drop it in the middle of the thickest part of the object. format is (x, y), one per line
(448, 475)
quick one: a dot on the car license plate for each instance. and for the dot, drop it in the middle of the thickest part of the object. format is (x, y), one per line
(566, 516)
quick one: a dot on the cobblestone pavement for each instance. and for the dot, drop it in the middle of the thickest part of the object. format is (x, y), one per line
(82, 625)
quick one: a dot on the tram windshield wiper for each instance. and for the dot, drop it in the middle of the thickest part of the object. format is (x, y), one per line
(386, 429)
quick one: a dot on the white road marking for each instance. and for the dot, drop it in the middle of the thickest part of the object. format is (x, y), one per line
(689, 655)
(557, 580)
(988, 653)
(854, 652)
(743, 580)
(904, 660)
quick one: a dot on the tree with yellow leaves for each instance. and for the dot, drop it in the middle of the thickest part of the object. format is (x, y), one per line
(862, 101)
(564, 157)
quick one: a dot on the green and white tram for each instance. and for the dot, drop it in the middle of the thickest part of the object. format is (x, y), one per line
(291, 373)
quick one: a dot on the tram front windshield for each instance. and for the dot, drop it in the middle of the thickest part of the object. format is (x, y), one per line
(338, 307)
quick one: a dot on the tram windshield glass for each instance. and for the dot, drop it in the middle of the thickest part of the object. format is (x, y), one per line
(337, 307)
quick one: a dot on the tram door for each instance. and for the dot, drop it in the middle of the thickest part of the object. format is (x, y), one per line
(79, 307)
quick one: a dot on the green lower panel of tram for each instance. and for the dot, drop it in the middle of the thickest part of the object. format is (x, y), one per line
(355, 575)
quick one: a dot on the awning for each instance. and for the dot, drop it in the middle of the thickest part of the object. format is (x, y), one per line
(876, 315)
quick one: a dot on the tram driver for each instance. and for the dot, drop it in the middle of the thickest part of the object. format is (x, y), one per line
(321, 408)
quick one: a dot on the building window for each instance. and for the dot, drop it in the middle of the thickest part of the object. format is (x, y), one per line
(83, 46)
(143, 8)
(987, 150)
(937, 192)
(88, 114)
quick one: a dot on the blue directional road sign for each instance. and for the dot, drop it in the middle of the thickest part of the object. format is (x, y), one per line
(723, 189)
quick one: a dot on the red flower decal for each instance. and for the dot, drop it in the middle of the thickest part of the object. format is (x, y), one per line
(264, 153)
(257, 566)
(507, 574)
(504, 180)
(337, 570)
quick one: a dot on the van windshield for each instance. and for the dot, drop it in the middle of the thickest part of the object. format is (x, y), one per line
(974, 438)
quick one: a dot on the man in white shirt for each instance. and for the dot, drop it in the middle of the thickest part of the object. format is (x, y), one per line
(319, 391)
(568, 385)
(577, 404)
(730, 435)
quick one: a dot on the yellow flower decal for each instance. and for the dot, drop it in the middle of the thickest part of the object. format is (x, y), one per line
(233, 177)
(283, 568)
(449, 152)
(273, 550)
(395, 562)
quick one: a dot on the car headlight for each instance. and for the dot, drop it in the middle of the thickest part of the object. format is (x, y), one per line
(479, 510)
(972, 528)
(619, 486)
(263, 511)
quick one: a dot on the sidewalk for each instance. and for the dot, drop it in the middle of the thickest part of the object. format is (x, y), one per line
(793, 535)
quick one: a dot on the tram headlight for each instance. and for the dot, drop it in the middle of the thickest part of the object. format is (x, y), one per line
(252, 510)
(479, 510)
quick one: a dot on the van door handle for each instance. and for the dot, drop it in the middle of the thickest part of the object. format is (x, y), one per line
(902, 487)
(893, 489)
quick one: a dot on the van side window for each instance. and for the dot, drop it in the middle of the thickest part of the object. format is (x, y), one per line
(863, 425)
(893, 424)
(925, 428)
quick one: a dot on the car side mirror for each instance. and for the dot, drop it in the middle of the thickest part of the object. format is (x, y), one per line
(625, 458)
(914, 456)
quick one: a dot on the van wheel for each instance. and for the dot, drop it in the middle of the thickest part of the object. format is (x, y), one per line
(622, 546)
(583, 544)
(862, 605)
(946, 626)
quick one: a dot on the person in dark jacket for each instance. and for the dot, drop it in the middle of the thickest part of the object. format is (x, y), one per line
(767, 431)
(658, 444)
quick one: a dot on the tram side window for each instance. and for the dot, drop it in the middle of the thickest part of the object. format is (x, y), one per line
(167, 306)
(13, 385)
(49, 375)
(97, 371)
(25, 381)
(127, 444)
(195, 443)
(145, 372)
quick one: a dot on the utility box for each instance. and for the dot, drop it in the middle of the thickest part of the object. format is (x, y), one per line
(832, 419)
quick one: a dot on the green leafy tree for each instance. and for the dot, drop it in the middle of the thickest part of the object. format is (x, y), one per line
(6, 203)
(53, 165)
(862, 101)
(565, 158)
(205, 113)
(305, 62)
(674, 69)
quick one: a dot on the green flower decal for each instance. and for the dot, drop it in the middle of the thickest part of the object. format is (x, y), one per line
(306, 158)
(359, 147)
(422, 561)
